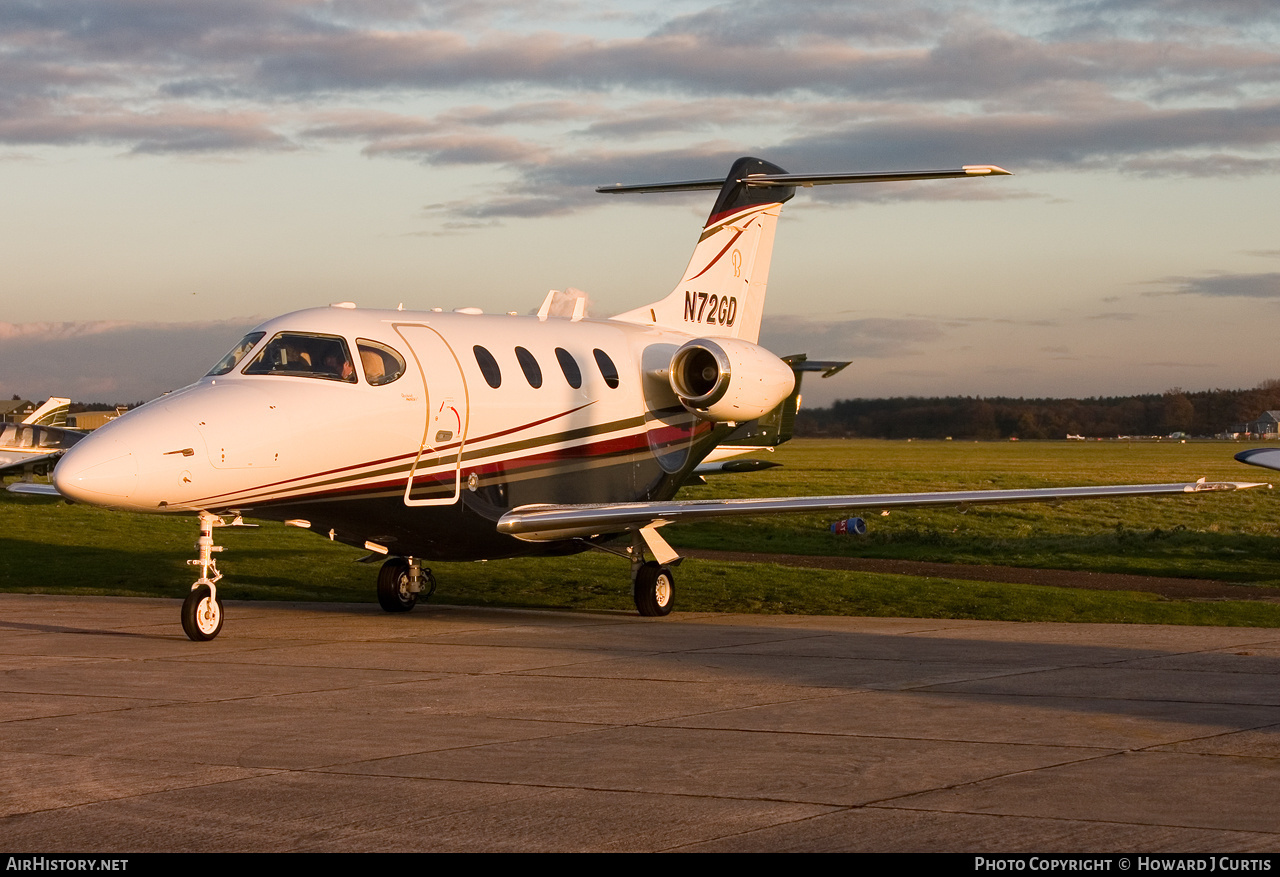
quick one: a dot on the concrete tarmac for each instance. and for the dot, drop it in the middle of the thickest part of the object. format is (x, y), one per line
(337, 727)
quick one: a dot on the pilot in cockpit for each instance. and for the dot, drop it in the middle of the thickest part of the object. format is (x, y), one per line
(293, 357)
(339, 366)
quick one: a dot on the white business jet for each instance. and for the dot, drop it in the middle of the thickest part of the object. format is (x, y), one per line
(460, 436)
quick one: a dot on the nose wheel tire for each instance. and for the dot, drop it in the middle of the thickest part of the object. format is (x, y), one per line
(202, 614)
(394, 594)
(654, 590)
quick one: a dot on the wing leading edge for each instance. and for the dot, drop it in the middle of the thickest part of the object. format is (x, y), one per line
(548, 523)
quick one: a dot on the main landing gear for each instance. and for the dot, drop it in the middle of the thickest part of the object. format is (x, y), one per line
(653, 589)
(652, 584)
(400, 582)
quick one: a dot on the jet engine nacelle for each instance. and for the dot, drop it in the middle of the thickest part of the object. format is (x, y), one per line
(729, 380)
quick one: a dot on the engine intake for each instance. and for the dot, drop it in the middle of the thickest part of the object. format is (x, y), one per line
(729, 380)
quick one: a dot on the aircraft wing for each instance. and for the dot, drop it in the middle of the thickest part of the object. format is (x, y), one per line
(548, 523)
(26, 445)
(11, 462)
(33, 488)
(1266, 457)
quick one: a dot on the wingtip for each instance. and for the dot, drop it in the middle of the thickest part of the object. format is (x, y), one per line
(986, 170)
(33, 489)
(1267, 458)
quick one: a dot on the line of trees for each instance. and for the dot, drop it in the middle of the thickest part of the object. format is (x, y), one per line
(1205, 412)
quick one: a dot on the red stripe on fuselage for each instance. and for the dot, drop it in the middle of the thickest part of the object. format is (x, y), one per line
(398, 457)
(511, 467)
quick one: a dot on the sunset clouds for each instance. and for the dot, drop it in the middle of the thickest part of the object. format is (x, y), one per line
(501, 115)
(1173, 88)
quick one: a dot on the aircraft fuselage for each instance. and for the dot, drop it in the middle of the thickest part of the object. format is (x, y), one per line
(490, 412)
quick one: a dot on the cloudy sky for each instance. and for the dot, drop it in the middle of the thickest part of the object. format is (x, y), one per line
(175, 171)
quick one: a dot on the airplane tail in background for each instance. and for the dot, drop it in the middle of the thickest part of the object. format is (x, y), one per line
(722, 292)
(52, 413)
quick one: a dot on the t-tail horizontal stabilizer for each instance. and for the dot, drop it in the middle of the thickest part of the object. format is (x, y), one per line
(722, 291)
(763, 180)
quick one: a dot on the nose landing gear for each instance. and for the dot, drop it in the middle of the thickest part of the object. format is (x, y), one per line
(202, 610)
(202, 613)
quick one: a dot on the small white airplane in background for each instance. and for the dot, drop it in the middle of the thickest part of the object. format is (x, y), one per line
(32, 446)
(52, 412)
(464, 436)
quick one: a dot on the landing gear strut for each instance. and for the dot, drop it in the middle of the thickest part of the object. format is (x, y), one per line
(202, 610)
(400, 581)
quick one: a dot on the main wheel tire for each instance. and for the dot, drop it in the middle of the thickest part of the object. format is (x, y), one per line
(201, 616)
(654, 590)
(393, 586)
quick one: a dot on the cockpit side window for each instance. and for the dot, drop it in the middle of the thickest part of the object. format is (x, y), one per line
(232, 359)
(301, 355)
(381, 364)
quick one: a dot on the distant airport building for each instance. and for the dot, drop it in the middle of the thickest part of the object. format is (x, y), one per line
(93, 419)
(15, 410)
(1266, 425)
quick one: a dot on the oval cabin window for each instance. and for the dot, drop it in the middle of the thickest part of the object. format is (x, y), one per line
(529, 365)
(488, 367)
(569, 366)
(607, 369)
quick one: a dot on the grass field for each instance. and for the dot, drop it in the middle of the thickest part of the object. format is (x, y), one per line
(1229, 537)
(52, 547)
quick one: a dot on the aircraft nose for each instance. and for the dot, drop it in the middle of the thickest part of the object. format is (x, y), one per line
(97, 470)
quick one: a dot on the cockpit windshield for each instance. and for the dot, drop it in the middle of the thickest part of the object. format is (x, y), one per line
(232, 359)
(304, 356)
